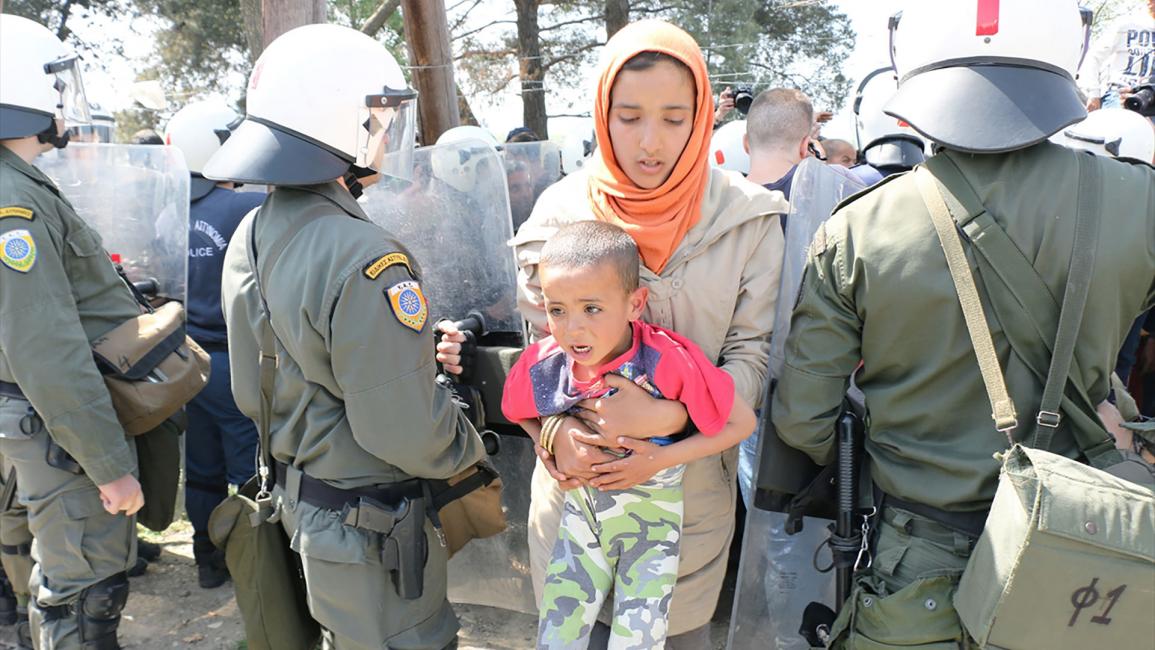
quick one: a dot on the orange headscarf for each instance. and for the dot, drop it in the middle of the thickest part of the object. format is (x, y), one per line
(657, 219)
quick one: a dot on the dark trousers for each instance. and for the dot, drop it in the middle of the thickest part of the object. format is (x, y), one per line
(220, 449)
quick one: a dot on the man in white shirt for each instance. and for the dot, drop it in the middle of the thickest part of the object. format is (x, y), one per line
(1123, 56)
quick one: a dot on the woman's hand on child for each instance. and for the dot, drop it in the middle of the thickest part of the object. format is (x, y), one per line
(575, 459)
(632, 412)
(563, 481)
(639, 467)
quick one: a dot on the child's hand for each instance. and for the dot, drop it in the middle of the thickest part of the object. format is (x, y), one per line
(640, 466)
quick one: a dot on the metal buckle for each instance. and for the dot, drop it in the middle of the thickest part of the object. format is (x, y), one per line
(1049, 419)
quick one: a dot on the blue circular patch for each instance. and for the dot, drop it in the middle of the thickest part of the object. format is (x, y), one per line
(17, 249)
(409, 302)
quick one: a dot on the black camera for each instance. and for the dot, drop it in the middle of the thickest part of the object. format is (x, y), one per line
(1143, 101)
(743, 97)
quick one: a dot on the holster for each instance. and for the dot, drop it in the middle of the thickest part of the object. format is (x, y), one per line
(404, 549)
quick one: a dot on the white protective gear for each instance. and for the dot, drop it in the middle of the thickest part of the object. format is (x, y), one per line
(39, 80)
(1113, 133)
(987, 76)
(887, 144)
(102, 129)
(323, 100)
(458, 166)
(198, 131)
(728, 149)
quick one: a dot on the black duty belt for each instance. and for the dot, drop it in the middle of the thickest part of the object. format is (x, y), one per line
(11, 390)
(320, 494)
(969, 523)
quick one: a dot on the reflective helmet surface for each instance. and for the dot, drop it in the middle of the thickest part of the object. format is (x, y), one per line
(322, 99)
(987, 76)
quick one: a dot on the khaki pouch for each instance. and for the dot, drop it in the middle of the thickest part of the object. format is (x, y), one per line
(151, 367)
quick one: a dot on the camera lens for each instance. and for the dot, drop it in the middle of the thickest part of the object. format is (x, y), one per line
(743, 97)
(1142, 102)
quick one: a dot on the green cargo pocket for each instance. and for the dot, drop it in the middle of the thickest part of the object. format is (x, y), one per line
(67, 521)
(919, 615)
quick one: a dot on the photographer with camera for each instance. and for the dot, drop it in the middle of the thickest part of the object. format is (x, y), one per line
(1122, 61)
(739, 97)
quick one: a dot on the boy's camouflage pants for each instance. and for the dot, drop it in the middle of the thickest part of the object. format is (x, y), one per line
(621, 540)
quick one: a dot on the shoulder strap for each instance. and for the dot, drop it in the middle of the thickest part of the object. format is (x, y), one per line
(1074, 300)
(268, 358)
(1002, 408)
(1031, 304)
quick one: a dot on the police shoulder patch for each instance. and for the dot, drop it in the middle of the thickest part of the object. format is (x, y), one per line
(408, 304)
(16, 211)
(374, 269)
(18, 250)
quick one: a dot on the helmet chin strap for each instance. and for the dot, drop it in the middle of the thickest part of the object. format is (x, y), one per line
(353, 178)
(50, 136)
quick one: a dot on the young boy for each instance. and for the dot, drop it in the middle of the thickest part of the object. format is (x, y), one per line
(624, 540)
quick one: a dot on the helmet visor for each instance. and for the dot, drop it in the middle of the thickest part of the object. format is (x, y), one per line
(386, 132)
(73, 106)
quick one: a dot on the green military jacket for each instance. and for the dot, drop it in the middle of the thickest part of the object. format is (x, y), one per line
(355, 401)
(58, 292)
(877, 288)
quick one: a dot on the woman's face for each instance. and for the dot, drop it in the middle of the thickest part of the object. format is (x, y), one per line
(651, 119)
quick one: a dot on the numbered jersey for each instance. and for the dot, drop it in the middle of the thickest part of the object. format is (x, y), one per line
(1123, 56)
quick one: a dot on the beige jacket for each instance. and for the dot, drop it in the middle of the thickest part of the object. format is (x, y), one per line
(719, 289)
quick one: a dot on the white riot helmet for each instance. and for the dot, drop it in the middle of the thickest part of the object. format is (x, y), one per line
(577, 145)
(728, 148)
(1113, 133)
(887, 144)
(198, 131)
(101, 130)
(458, 165)
(324, 102)
(985, 76)
(39, 82)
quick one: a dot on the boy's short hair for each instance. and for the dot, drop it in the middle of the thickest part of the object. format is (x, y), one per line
(588, 244)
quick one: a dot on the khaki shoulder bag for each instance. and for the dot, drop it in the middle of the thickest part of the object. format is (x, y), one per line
(1067, 557)
(150, 365)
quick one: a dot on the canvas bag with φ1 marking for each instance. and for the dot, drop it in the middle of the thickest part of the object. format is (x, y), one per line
(1067, 557)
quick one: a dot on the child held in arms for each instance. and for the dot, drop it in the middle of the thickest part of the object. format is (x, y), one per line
(621, 536)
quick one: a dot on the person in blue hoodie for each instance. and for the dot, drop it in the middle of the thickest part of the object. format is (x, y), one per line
(221, 442)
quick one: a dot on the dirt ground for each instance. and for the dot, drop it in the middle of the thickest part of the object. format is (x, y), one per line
(167, 609)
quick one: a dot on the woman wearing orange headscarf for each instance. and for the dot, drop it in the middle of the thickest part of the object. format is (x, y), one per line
(712, 250)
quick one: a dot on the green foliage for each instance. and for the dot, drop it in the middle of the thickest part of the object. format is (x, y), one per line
(202, 46)
(57, 15)
(771, 43)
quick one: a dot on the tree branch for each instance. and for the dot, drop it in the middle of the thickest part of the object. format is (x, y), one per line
(380, 16)
(567, 23)
(571, 55)
(482, 28)
(464, 14)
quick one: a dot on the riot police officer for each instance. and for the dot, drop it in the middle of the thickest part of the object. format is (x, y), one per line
(988, 83)
(59, 291)
(220, 443)
(355, 411)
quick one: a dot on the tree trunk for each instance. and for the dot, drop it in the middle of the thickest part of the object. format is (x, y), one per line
(617, 16)
(265, 20)
(431, 58)
(530, 70)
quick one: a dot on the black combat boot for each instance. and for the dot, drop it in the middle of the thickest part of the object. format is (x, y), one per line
(211, 570)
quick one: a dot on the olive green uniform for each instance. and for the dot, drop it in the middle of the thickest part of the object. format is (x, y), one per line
(877, 288)
(355, 403)
(51, 307)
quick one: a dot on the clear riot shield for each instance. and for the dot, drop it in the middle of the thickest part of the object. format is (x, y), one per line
(454, 217)
(776, 576)
(137, 198)
(530, 167)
